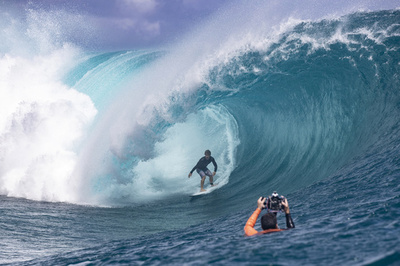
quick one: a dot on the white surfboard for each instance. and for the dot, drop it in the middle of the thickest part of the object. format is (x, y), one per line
(208, 190)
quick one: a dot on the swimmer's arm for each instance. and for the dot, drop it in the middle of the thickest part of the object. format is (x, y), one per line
(251, 222)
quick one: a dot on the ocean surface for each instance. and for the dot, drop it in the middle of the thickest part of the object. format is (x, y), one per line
(96, 146)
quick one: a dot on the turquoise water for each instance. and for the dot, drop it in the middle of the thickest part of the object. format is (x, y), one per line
(95, 162)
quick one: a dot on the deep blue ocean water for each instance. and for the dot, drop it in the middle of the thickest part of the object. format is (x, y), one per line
(96, 146)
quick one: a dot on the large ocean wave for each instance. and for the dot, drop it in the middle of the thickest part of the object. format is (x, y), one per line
(281, 106)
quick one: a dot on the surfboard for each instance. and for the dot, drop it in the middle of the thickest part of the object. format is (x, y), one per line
(208, 190)
(199, 193)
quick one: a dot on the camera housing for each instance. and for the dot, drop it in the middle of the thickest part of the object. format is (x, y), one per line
(274, 203)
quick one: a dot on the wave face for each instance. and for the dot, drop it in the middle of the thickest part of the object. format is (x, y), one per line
(305, 107)
(314, 100)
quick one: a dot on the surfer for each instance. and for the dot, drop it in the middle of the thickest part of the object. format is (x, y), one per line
(269, 222)
(202, 170)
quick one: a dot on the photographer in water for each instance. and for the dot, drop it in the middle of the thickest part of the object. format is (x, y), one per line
(269, 223)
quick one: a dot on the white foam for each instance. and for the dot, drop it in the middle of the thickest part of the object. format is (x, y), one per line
(41, 125)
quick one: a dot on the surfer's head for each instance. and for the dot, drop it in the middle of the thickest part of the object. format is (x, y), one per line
(269, 221)
(207, 153)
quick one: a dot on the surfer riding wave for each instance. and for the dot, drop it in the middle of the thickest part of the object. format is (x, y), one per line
(203, 171)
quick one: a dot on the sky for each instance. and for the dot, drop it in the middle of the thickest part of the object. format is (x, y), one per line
(131, 24)
(117, 24)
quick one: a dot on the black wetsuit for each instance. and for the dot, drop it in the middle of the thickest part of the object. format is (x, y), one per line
(203, 162)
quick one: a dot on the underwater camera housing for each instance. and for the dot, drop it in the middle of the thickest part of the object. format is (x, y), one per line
(274, 203)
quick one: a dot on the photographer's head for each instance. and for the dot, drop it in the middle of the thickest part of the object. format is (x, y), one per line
(269, 221)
